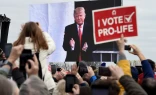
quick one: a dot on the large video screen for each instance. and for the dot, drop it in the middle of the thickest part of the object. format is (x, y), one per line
(54, 17)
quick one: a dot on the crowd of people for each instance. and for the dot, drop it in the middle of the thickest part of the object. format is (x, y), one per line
(121, 82)
(35, 79)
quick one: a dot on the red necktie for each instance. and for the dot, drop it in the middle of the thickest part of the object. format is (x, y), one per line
(80, 37)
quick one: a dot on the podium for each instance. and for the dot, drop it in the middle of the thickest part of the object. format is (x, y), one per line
(109, 54)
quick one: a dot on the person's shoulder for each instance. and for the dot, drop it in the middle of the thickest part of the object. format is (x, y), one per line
(70, 25)
(88, 27)
(45, 33)
(87, 24)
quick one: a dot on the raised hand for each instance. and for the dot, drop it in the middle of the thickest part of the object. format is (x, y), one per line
(116, 71)
(34, 66)
(76, 89)
(136, 50)
(85, 46)
(121, 43)
(15, 53)
(72, 42)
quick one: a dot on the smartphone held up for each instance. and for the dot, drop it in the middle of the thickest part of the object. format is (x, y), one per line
(70, 81)
(104, 71)
(24, 57)
(128, 47)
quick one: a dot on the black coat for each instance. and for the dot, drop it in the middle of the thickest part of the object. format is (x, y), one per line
(71, 31)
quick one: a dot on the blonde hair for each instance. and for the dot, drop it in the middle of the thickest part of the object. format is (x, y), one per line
(79, 9)
(60, 88)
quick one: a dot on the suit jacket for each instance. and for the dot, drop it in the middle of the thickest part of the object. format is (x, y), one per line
(71, 31)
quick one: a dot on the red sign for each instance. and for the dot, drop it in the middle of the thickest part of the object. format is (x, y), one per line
(110, 23)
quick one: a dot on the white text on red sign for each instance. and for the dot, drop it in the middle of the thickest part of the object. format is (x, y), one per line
(118, 20)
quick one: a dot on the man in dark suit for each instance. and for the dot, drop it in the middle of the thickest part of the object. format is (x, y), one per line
(78, 38)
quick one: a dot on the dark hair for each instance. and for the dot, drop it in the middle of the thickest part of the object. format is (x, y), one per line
(93, 67)
(85, 90)
(152, 63)
(82, 68)
(149, 85)
(32, 30)
(111, 85)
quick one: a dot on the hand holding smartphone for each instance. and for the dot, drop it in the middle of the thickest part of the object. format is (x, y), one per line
(59, 69)
(53, 69)
(24, 57)
(70, 81)
(82, 68)
(104, 71)
(127, 47)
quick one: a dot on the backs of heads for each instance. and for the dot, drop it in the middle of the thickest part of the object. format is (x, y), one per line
(6, 87)
(149, 85)
(105, 87)
(33, 86)
(85, 90)
(60, 88)
(82, 63)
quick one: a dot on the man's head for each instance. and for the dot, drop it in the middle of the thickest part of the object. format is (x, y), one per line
(60, 88)
(6, 87)
(85, 90)
(105, 87)
(33, 85)
(79, 15)
(149, 85)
